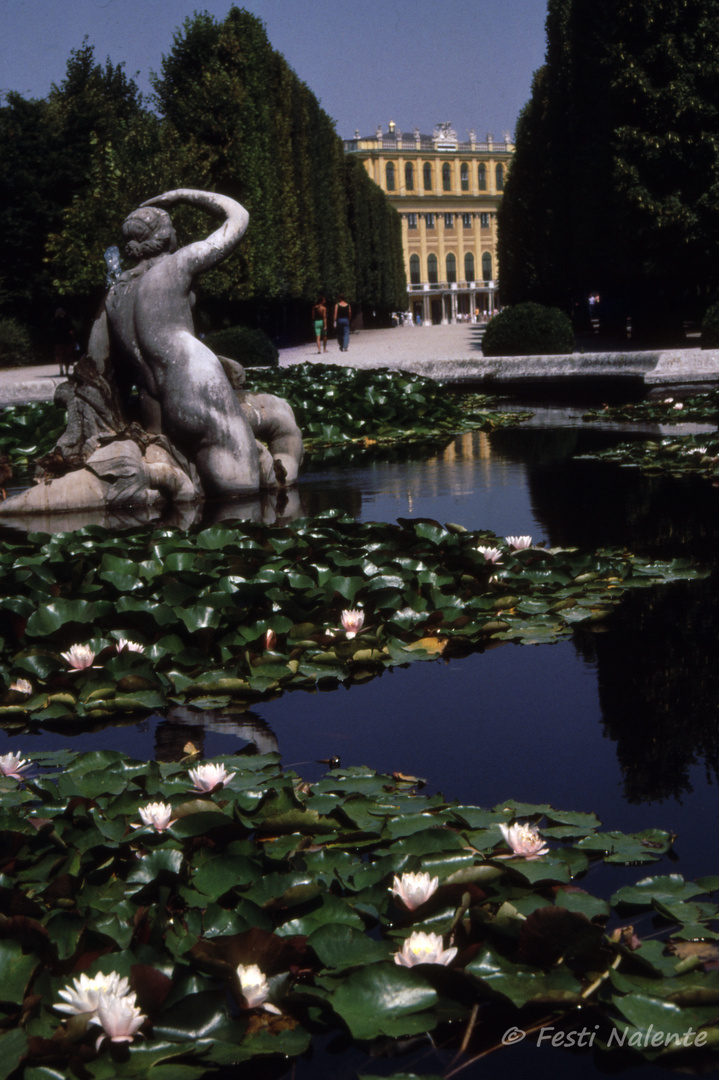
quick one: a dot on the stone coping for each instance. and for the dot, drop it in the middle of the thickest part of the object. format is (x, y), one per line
(452, 356)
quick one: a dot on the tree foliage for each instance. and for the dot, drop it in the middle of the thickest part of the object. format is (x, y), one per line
(229, 115)
(615, 181)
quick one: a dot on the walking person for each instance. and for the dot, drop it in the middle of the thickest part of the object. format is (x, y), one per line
(319, 317)
(343, 314)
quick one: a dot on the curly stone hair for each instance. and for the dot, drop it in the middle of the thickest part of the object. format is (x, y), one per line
(148, 232)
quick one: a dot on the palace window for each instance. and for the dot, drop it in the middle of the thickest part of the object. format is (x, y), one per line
(414, 278)
(499, 174)
(449, 221)
(432, 269)
(451, 268)
(467, 221)
(411, 221)
(464, 176)
(446, 177)
(429, 220)
(482, 177)
(409, 176)
(484, 221)
(468, 266)
(427, 173)
(389, 173)
(486, 267)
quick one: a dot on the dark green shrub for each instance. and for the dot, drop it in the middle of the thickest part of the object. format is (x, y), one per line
(250, 347)
(15, 344)
(528, 330)
(710, 328)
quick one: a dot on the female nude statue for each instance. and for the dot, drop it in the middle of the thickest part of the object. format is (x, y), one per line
(146, 333)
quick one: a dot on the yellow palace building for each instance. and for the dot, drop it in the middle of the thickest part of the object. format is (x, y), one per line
(447, 193)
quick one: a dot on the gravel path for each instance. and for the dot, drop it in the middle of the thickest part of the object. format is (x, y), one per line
(445, 352)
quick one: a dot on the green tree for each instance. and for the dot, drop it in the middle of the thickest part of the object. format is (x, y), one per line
(56, 157)
(626, 114)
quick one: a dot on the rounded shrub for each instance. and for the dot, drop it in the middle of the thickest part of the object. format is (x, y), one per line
(15, 345)
(249, 346)
(710, 328)
(528, 330)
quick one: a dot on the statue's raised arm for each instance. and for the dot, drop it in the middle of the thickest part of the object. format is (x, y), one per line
(204, 254)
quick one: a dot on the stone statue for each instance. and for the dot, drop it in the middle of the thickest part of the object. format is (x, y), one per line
(197, 430)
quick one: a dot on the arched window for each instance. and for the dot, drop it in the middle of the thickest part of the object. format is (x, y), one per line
(499, 173)
(464, 176)
(451, 267)
(482, 177)
(389, 173)
(409, 176)
(427, 171)
(486, 267)
(446, 177)
(432, 269)
(468, 266)
(414, 278)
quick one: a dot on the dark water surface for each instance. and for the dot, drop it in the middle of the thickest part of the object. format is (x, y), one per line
(622, 721)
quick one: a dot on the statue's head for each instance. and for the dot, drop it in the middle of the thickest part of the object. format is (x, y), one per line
(148, 232)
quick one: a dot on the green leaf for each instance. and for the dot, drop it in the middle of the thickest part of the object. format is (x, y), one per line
(382, 999)
(13, 1048)
(16, 971)
(341, 946)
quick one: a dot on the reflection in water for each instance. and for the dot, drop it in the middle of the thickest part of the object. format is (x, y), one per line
(268, 508)
(183, 724)
(659, 688)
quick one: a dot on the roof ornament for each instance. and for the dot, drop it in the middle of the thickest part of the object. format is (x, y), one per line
(444, 134)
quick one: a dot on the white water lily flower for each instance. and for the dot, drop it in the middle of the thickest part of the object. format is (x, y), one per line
(414, 889)
(79, 657)
(129, 646)
(491, 554)
(352, 621)
(255, 988)
(519, 543)
(119, 1018)
(524, 840)
(207, 777)
(13, 765)
(82, 995)
(421, 948)
(157, 814)
(678, 405)
(22, 686)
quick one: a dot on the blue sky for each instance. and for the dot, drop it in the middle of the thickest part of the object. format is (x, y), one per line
(417, 62)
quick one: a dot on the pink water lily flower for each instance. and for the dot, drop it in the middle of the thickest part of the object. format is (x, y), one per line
(83, 994)
(491, 554)
(255, 988)
(207, 777)
(119, 1018)
(519, 543)
(352, 621)
(414, 889)
(21, 686)
(270, 640)
(524, 840)
(421, 948)
(157, 814)
(13, 765)
(678, 405)
(79, 657)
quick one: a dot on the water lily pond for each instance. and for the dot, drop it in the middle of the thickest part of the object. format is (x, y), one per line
(592, 690)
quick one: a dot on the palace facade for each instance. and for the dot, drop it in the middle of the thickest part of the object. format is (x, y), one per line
(447, 193)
